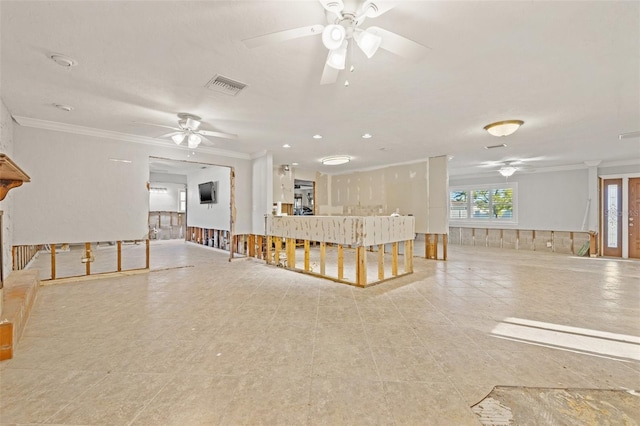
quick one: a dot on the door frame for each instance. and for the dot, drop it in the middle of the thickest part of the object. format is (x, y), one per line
(625, 209)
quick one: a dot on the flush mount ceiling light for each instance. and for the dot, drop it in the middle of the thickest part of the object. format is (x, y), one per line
(286, 145)
(295, 164)
(62, 60)
(336, 160)
(503, 128)
(367, 136)
(317, 136)
(507, 171)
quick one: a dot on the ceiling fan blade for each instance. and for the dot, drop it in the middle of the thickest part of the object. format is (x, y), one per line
(217, 134)
(207, 140)
(168, 135)
(159, 125)
(281, 36)
(335, 6)
(399, 45)
(329, 74)
(375, 8)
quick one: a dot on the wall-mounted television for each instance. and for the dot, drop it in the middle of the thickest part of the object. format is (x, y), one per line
(208, 192)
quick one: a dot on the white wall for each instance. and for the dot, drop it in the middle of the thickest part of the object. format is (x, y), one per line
(212, 216)
(77, 194)
(262, 191)
(404, 187)
(165, 201)
(546, 201)
(6, 205)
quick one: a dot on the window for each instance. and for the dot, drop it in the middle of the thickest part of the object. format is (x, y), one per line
(183, 201)
(489, 203)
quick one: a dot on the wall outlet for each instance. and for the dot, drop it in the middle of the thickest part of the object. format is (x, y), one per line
(548, 244)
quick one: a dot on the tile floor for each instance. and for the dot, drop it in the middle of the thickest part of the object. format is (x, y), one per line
(202, 340)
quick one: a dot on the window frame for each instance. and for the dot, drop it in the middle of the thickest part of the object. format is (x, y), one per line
(181, 201)
(470, 220)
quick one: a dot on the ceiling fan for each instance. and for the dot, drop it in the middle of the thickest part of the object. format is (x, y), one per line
(344, 20)
(189, 130)
(508, 168)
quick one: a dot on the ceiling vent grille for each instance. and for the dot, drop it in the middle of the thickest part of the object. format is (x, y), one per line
(225, 85)
(502, 145)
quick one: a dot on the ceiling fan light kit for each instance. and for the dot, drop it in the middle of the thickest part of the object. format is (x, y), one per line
(368, 42)
(179, 138)
(338, 57)
(503, 128)
(507, 171)
(333, 36)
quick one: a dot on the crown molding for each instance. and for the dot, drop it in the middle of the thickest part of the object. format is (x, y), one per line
(126, 137)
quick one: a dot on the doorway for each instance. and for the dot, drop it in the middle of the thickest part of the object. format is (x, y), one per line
(304, 192)
(612, 224)
(620, 209)
(634, 213)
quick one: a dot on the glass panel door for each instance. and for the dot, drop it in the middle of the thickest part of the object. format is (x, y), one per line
(612, 225)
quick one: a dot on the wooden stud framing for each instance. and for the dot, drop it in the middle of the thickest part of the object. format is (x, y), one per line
(435, 246)
(87, 254)
(276, 252)
(427, 240)
(119, 256)
(408, 256)
(252, 245)
(361, 266)
(323, 257)
(232, 207)
(147, 254)
(14, 257)
(291, 252)
(53, 261)
(444, 247)
(269, 259)
(394, 259)
(306, 255)
(340, 262)
(380, 261)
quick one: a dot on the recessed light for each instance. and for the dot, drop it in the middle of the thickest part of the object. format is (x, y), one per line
(335, 160)
(295, 164)
(367, 136)
(317, 136)
(118, 160)
(66, 108)
(286, 145)
(62, 60)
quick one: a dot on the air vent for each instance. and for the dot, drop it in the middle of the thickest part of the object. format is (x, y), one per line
(629, 135)
(502, 145)
(225, 85)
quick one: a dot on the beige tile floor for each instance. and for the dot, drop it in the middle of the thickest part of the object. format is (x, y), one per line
(202, 340)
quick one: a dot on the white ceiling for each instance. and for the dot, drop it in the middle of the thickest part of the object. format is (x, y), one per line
(570, 70)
